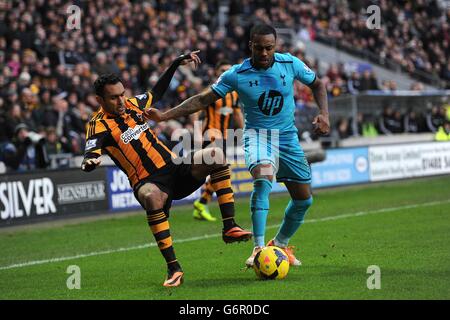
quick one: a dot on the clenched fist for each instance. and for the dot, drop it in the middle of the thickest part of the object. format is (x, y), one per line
(321, 124)
(153, 114)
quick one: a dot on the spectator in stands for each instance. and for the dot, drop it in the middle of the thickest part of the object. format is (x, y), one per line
(342, 129)
(445, 73)
(54, 144)
(417, 86)
(3, 131)
(146, 68)
(444, 111)
(354, 83)
(397, 126)
(14, 65)
(413, 36)
(368, 81)
(333, 72)
(412, 122)
(79, 116)
(338, 87)
(357, 128)
(13, 118)
(26, 151)
(38, 53)
(447, 112)
(373, 81)
(2, 61)
(389, 85)
(68, 55)
(391, 121)
(102, 65)
(369, 129)
(434, 119)
(443, 132)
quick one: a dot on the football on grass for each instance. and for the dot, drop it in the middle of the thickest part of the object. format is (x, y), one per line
(271, 263)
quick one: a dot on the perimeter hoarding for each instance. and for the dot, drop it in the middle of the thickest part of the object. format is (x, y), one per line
(341, 167)
(51, 194)
(409, 160)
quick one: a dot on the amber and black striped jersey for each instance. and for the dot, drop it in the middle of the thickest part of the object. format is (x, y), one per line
(217, 115)
(128, 140)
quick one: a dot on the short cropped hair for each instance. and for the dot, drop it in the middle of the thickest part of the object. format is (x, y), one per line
(103, 80)
(262, 29)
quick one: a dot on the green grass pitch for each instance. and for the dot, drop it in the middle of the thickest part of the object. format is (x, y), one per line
(403, 227)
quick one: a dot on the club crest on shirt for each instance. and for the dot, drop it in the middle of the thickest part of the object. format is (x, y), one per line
(282, 76)
(133, 133)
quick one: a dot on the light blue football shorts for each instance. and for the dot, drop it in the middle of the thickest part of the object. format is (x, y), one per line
(283, 151)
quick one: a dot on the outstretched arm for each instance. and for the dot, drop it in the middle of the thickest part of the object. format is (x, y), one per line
(163, 82)
(322, 121)
(188, 106)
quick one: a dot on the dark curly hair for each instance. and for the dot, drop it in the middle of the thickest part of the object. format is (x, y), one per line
(262, 29)
(104, 79)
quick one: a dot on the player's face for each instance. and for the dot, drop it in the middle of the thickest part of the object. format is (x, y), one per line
(222, 69)
(263, 49)
(113, 100)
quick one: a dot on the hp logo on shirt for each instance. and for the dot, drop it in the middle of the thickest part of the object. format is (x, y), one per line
(270, 104)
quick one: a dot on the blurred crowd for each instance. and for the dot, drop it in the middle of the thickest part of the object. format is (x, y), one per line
(412, 35)
(47, 69)
(394, 121)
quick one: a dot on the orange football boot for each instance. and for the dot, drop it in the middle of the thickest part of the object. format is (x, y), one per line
(174, 280)
(293, 261)
(236, 234)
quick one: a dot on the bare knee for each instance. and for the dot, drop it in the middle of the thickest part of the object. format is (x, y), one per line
(263, 171)
(151, 197)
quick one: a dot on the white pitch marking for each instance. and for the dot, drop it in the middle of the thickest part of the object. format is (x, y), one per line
(153, 244)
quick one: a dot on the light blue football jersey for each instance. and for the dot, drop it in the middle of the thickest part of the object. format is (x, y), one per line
(267, 96)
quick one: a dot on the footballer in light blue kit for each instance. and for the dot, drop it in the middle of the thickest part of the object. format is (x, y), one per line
(265, 84)
(268, 100)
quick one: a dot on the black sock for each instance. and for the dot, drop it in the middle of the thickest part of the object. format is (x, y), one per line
(228, 223)
(173, 267)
